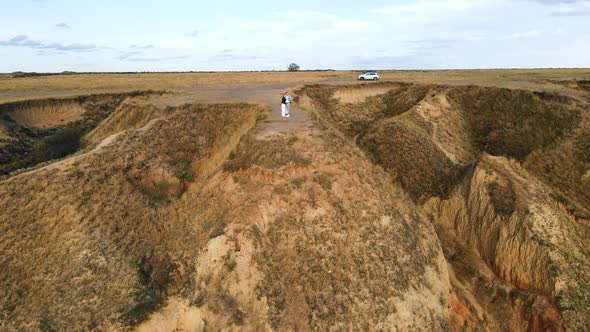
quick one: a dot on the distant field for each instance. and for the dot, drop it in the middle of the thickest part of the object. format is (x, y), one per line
(11, 89)
(60, 85)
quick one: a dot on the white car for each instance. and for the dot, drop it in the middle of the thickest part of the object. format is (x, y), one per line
(370, 75)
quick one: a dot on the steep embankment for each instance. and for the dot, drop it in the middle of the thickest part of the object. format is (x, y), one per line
(515, 215)
(32, 132)
(364, 256)
(183, 225)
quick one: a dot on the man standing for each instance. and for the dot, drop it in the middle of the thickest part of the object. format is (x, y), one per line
(289, 99)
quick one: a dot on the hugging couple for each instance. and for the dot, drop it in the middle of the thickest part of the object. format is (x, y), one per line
(286, 105)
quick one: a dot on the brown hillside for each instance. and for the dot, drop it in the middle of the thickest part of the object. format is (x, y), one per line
(526, 220)
(389, 206)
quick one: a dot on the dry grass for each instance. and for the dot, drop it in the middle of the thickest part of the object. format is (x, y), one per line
(106, 239)
(356, 94)
(334, 225)
(499, 121)
(49, 129)
(544, 131)
(514, 123)
(564, 167)
(48, 115)
(37, 87)
(527, 79)
(12, 89)
(134, 113)
(271, 154)
(408, 152)
(354, 108)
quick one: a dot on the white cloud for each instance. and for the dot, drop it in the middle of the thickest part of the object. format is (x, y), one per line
(422, 7)
(521, 35)
(579, 8)
(62, 25)
(403, 34)
(142, 47)
(194, 34)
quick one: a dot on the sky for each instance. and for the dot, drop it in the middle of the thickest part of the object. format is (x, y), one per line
(228, 35)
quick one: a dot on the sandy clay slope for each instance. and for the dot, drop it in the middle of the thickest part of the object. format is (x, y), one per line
(489, 168)
(391, 206)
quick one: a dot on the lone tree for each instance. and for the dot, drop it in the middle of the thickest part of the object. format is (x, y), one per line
(293, 67)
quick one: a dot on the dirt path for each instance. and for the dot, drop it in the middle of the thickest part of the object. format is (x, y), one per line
(268, 95)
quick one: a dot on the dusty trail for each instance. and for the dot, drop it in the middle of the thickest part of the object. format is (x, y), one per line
(268, 95)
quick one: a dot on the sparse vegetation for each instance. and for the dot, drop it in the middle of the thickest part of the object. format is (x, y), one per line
(122, 202)
(298, 182)
(271, 155)
(514, 123)
(145, 227)
(261, 115)
(230, 263)
(36, 138)
(201, 299)
(184, 171)
(408, 152)
(324, 180)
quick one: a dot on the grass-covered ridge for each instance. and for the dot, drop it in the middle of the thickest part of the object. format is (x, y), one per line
(112, 234)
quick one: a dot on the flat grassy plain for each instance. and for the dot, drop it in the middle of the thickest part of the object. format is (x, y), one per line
(22, 88)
